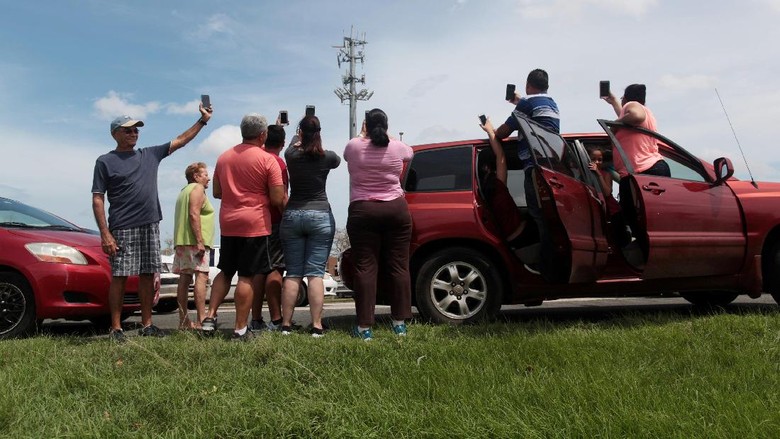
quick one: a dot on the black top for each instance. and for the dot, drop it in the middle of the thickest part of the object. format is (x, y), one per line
(308, 175)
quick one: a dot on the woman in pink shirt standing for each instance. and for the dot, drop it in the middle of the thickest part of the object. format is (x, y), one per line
(379, 224)
(641, 149)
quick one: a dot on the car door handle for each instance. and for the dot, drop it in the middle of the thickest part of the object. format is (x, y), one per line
(555, 183)
(654, 188)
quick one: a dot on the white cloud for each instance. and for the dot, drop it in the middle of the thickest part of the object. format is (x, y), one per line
(547, 9)
(190, 107)
(690, 82)
(774, 4)
(216, 24)
(115, 104)
(221, 139)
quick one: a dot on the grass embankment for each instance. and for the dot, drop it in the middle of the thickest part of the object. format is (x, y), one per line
(659, 375)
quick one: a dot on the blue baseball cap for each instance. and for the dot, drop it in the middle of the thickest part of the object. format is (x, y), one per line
(126, 122)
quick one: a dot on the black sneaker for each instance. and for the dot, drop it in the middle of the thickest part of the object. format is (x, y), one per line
(150, 331)
(208, 325)
(258, 325)
(286, 330)
(117, 336)
(317, 332)
(248, 335)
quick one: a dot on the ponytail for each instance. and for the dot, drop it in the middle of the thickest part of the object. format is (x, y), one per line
(376, 125)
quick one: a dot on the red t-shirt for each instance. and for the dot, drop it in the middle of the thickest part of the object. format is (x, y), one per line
(245, 173)
(276, 214)
(505, 209)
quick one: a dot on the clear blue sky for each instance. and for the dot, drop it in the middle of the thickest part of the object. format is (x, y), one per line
(69, 67)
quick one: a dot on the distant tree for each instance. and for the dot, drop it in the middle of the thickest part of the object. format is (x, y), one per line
(168, 249)
(340, 242)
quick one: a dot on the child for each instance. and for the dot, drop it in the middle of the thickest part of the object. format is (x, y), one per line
(597, 165)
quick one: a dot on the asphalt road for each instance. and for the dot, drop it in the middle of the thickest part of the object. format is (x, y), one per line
(340, 313)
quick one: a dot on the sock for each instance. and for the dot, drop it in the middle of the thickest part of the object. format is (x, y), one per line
(241, 331)
(398, 322)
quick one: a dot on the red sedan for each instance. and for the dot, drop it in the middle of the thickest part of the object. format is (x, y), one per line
(49, 269)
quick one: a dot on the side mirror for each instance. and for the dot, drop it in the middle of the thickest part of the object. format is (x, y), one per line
(723, 170)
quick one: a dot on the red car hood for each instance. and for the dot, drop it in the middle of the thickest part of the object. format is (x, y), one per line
(75, 239)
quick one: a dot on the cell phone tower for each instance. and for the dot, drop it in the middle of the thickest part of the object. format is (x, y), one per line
(352, 51)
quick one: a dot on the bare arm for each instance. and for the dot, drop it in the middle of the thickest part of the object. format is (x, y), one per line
(498, 151)
(197, 200)
(612, 100)
(633, 115)
(277, 196)
(216, 189)
(503, 131)
(107, 239)
(185, 137)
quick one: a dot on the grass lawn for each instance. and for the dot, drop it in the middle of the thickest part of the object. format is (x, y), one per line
(677, 375)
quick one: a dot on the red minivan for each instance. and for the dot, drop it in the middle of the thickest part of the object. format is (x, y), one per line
(701, 233)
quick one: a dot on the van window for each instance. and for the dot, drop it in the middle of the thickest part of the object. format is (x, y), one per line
(448, 169)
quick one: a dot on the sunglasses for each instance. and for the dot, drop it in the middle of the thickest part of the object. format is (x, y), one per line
(130, 130)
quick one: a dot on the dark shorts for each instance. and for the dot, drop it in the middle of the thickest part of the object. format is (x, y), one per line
(246, 255)
(139, 251)
(275, 248)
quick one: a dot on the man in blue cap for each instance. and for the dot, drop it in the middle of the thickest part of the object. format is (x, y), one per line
(131, 236)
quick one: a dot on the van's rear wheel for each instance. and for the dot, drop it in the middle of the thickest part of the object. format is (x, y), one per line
(710, 298)
(458, 285)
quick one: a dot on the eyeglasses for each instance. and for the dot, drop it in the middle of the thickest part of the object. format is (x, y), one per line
(130, 130)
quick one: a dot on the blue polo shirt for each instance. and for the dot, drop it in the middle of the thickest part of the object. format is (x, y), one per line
(540, 108)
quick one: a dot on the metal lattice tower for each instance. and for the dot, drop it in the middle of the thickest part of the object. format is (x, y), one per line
(352, 51)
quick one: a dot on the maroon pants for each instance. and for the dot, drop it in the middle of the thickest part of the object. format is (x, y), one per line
(379, 233)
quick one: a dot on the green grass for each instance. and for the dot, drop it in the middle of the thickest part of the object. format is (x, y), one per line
(637, 376)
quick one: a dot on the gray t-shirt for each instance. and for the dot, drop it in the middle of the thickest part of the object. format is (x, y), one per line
(129, 179)
(308, 176)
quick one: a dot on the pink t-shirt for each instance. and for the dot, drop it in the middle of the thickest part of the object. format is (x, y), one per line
(374, 172)
(641, 149)
(245, 174)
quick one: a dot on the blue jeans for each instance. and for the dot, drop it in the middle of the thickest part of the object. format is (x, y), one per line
(307, 236)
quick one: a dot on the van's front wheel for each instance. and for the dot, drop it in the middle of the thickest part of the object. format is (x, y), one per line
(458, 285)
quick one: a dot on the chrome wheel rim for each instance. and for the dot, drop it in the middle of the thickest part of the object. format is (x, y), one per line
(458, 290)
(12, 307)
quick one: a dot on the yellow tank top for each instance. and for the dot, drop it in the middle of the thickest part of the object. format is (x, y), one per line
(182, 233)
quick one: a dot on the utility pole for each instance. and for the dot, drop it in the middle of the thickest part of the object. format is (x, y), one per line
(352, 51)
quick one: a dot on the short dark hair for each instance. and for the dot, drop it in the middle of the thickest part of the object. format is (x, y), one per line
(635, 93)
(275, 137)
(539, 79)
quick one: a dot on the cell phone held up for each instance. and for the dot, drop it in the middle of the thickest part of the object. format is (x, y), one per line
(205, 100)
(283, 118)
(604, 89)
(310, 110)
(510, 92)
(482, 119)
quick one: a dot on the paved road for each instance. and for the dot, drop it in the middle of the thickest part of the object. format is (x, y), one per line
(340, 314)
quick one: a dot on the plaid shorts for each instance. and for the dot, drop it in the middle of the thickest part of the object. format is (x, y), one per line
(139, 251)
(186, 260)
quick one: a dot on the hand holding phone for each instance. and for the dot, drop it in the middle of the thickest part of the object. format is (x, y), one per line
(604, 89)
(482, 119)
(283, 118)
(310, 110)
(205, 100)
(510, 92)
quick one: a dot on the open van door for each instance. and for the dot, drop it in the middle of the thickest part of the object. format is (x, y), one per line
(570, 207)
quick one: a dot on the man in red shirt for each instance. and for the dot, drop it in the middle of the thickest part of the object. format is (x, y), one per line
(249, 182)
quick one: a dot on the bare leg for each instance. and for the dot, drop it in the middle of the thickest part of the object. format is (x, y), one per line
(219, 290)
(182, 296)
(316, 299)
(146, 295)
(289, 294)
(258, 288)
(273, 294)
(116, 295)
(199, 291)
(243, 301)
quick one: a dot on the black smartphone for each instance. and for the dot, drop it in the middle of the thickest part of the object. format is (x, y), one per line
(510, 92)
(310, 110)
(283, 117)
(482, 119)
(604, 89)
(205, 100)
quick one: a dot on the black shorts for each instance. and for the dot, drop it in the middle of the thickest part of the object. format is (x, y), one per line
(246, 255)
(275, 249)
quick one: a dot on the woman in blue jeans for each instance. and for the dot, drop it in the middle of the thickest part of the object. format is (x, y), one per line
(307, 226)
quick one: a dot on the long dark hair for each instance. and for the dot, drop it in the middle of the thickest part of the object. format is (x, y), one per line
(311, 142)
(376, 125)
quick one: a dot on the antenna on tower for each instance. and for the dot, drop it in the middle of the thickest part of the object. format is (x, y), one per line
(352, 51)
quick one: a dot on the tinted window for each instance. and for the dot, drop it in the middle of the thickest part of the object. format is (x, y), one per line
(550, 150)
(447, 169)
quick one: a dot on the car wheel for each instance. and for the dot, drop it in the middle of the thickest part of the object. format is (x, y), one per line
(772, 272)
(166, 306)
(17, 306)
(710, 298)
(303, 296)
(458, 285)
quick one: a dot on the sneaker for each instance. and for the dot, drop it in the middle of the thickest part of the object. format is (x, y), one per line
(273, 326)
(533, 268)
(258, 325)
(286, 330)
(400, 330)
(365, 335)
(248, 335)
(208, 325)
(317, 332)
(150, 331)
(117, 336)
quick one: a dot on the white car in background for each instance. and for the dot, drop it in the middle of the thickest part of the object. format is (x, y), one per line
(169, 283)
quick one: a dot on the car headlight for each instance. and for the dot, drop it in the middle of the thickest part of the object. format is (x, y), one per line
(57, 253)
